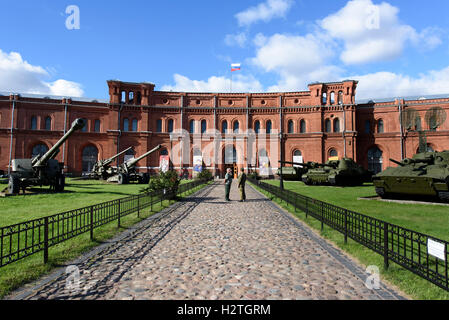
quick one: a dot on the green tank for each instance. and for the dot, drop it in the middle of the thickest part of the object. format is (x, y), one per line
(295, 173)
(343, 172)
(426, 174)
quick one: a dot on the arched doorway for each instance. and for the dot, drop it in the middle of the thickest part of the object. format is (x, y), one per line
(89, 158)
(375, 160)
(230, 159)
(39, 150)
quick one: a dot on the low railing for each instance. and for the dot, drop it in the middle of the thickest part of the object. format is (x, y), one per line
(422, 254)
(24, 239)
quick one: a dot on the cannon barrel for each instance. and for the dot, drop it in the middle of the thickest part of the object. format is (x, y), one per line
(132, 162)
(307, 165)
(109, 160)
(41, 161)
(397, 162)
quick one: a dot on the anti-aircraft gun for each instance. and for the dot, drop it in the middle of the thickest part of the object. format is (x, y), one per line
(102, 168)
(127, 172)
(343, 172)
(295, 173)
(41, 170)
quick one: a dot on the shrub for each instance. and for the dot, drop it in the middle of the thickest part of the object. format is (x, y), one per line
(165, 180)
(205, 174)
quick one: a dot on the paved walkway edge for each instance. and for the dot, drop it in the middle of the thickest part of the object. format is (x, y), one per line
(384, 292)
(29, 289)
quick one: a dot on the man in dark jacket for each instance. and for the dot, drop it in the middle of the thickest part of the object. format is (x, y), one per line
(242, 181)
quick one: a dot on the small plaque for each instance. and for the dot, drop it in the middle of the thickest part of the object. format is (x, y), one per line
(436, 249)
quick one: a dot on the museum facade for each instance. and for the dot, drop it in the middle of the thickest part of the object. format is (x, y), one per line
(220, 130)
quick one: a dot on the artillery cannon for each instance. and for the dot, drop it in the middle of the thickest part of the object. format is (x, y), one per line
(127, 172)
(426, 174)
(102, 168)
(295, 173)
(343, 172)
(41, 170)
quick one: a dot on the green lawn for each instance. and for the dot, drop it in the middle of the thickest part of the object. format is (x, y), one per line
(79, 193)
(432, 220)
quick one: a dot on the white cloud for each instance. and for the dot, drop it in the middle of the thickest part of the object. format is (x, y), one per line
(240, 83)
(19, 76)
(264, 12)
(238, 39)
(388, 84)
(373, 33)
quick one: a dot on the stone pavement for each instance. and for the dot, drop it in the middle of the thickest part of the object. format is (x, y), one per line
(207, 248)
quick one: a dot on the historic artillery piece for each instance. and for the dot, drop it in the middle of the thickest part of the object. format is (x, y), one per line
(127, 172)
(295, 173)
(102, 168)
(41, 170)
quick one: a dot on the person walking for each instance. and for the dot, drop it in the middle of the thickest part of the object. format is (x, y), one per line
(242, 181)
(228, 183)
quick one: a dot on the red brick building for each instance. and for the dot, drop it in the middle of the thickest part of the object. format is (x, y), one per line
(226, 129)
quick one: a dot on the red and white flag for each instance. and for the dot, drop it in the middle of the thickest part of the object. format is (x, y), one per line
(235, 66)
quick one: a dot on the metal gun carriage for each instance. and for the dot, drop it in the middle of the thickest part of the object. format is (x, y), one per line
(41, 170)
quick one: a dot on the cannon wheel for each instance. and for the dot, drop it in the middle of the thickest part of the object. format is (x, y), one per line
(13, 185)
(122, 178)
(59, 183)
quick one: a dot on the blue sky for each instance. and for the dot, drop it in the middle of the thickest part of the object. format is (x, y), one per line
(394, 48)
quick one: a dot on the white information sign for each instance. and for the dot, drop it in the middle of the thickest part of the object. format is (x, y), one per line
(297, 159)
(436, 249)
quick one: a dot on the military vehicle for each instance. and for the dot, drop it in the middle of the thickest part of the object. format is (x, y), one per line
(295, 173)
(102, 167)
(127, 171)
(426, 174)
(41, 170)
(343, 172)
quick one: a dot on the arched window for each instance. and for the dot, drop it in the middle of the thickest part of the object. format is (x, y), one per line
(47, 123)
(268, 127)
(302, 126)
(433, 123)
(380, 126)
(224, 126)
(129, 154)
(170, 125)
(230, 154)
(164, 152)
(291, 128)
(203, 126)
(340, 97)
(336, 125)
(332, 97)
(138, 98)
(327, 125)
(123, 96)
(333, 153)
(324, 98)
(97, 126)
(297, 153)
(257, 126)
(39, 149)
(418, 126)
(131, 97)
(236, 126)
(192, 126)
(89, 157)
(134, 125)
(126, 124)
(367, 126)
(375, 160)
(159, 125)
(33, 123)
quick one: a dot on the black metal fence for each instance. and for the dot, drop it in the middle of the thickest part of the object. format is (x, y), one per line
(21, 240)
(407, 248)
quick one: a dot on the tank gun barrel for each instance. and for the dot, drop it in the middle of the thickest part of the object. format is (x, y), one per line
(132, 162)
(397, 162)
(307, 165)
(40, 161)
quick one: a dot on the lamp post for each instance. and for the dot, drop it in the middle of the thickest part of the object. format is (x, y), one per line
(281, 182)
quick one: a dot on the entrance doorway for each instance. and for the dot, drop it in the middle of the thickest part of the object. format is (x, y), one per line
(230, 160)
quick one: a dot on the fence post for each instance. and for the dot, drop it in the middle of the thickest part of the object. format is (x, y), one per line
(118, 220)
(91, 223)
(151, 201)
(307, 207)
(322, 215)
(346, 226)
(138, 206)
(386, 264)
(45, 239)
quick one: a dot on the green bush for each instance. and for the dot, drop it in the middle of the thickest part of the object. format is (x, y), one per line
(205, 174)
(165, 180)
(254, 175)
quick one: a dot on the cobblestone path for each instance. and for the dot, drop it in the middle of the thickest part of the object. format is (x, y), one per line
(206, 248)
